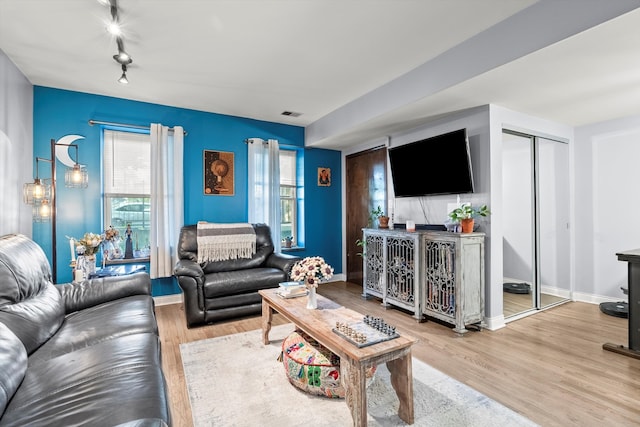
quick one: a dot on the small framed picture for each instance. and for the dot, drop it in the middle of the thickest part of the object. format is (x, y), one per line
(218, 173)
(324, 177)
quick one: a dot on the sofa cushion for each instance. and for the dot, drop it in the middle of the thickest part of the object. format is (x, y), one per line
(233, 301)
(30, 305)
(242, 281)
(113, 382)
(82, 295)
(13, 365)
(113, 319)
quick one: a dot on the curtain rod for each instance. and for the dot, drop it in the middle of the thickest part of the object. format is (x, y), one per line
(124, 125)
(264, 141)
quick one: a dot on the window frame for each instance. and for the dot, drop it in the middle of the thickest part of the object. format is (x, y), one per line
(108, 197)
(292, 198)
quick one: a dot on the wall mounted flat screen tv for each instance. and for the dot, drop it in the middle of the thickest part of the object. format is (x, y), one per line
(436, 165)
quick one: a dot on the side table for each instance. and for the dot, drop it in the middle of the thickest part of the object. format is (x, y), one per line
(118, 270)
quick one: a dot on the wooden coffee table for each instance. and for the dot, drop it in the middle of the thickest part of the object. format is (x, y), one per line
(354, 360)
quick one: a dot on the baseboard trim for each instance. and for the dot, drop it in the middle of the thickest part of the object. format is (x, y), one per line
(340, 277)
(597, 299)
(561, 293)
(495, 323)
(168, 299)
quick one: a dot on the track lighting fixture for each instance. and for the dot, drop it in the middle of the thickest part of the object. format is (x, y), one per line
(123, 78)
(122, 57)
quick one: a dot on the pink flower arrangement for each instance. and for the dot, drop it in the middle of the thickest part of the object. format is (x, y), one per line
(311, 270)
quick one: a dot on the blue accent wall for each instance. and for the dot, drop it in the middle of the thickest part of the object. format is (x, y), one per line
(323, 208)
(60, 112)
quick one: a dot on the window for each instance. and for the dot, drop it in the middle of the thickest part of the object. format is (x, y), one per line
(127, 187)
(288, 196)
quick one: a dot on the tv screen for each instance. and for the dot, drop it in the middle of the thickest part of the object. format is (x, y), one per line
(436, 165)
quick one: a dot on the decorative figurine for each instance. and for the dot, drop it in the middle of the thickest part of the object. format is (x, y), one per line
(128, 247)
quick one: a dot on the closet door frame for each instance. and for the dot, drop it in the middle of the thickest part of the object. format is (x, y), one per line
(535, 191)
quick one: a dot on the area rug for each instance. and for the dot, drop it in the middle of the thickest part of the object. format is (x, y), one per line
(235, 380)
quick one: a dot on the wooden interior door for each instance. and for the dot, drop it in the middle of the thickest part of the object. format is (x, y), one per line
(366, 189)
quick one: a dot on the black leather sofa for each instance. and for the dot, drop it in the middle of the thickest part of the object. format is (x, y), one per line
(220, 290)
(79, 353)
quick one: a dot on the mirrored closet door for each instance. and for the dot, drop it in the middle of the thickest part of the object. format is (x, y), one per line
(536, 227)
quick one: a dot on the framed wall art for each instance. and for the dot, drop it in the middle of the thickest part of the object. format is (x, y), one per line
(324, 177)
(218, 173)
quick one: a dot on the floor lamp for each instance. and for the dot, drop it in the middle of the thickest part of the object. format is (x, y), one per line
(41, 193)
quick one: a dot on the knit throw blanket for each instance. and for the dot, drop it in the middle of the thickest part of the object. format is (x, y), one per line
(220, 242)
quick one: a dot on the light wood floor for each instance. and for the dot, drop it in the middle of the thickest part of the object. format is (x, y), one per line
(549, 367)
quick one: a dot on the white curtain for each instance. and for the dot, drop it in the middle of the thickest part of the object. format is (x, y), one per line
(167, 199)
(264, 185)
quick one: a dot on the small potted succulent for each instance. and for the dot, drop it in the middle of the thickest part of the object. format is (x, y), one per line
(466, 215)
(287, 241)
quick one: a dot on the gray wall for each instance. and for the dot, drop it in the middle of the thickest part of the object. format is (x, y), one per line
(16, 147)
(607, 205)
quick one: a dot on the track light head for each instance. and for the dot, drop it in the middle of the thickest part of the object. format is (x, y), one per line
(123, 78)
(114, 29)
(122, 58)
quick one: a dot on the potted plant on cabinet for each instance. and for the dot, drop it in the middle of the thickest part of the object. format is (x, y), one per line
(378, 213)
(466, 215)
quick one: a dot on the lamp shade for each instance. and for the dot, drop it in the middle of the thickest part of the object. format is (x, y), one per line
(42, 211)
(76, 177)
(36, 191)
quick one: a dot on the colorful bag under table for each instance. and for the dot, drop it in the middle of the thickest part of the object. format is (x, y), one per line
(312, 367)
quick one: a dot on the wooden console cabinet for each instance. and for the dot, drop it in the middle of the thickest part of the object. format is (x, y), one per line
(430, 273)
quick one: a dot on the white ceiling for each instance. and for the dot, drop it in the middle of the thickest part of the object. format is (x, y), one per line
(326, 58)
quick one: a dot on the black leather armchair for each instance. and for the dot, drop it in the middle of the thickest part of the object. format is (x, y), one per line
(224, 289)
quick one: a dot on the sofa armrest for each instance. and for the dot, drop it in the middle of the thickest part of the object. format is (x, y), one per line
(78, 296)
(191, 280)
(284, 262)
(187, 267)
(13, 365)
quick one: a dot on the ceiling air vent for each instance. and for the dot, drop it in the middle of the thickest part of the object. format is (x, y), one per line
(291, 113)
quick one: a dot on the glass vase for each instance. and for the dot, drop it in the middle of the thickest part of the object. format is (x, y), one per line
(312, 301)
(86, 264)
